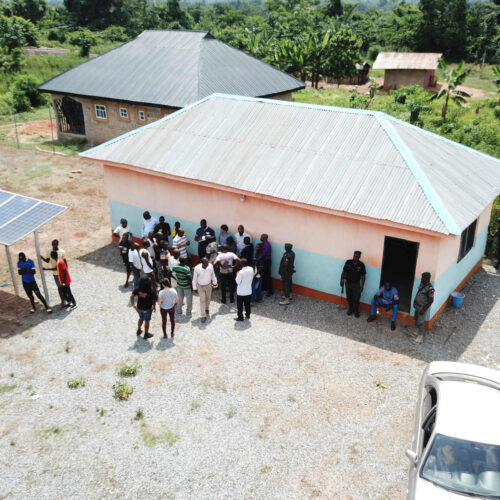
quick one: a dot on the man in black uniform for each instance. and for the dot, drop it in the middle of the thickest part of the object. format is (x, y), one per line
(286, 271)
(353, 277)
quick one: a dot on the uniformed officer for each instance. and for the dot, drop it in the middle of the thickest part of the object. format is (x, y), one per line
(423, 300)
(353, 277)
(286, 271)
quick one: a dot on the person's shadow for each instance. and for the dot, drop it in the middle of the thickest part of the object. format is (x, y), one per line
(142, 346)
(165, 344)
(242, 325)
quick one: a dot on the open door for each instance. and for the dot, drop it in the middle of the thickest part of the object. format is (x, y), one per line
(398, 266)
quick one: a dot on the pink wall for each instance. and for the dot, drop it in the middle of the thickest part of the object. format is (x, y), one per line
(312, 231)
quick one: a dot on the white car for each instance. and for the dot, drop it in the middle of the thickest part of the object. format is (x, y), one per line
(456, 443)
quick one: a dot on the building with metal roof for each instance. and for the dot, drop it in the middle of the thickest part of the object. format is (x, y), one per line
(408, 68)
(330, 180)
(153, 75)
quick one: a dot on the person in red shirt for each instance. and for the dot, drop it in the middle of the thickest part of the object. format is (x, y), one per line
(64, 280)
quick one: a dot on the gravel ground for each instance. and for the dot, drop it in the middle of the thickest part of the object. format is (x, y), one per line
(299, 402)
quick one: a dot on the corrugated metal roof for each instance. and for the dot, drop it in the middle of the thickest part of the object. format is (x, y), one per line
(361, 162)
(407, 60)
(171, 68)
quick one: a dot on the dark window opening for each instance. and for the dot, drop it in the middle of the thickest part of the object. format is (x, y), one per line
(70, 116)
(467, 240)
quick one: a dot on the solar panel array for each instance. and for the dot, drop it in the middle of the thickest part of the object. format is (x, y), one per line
(20, 216)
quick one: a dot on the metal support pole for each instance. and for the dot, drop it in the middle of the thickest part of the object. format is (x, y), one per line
(12, 274)
(52, 140)
(15, 126)
(40, 268)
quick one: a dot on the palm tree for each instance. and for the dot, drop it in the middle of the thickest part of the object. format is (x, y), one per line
(453, 78)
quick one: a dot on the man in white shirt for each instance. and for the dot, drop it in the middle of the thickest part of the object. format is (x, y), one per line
(148, 266)
(135, 263)
(225, 262)
(244, 280)
(148, 224)
(239, 237)
(121, 229)
(203, 279)
(181, 243)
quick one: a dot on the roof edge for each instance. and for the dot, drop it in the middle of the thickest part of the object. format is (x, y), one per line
(428, 189)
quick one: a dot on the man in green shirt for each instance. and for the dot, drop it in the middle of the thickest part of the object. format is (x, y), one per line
(182, 274)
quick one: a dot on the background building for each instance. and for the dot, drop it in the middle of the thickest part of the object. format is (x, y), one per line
(407, 68)
(154, 75)
(329, 180)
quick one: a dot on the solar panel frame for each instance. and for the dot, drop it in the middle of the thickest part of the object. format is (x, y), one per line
(22, 215)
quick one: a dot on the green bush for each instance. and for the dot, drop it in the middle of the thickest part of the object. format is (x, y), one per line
(75, 383)
(115, 34)
(10, 62)
(84, 39)
(17, 32)
(128, 370)
(122, 391)
(496, 112)
(25, 94)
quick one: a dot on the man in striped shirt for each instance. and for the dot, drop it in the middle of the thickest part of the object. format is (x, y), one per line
(181, 243)
(182, 274)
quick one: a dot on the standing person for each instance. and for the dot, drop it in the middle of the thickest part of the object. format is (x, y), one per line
(147, 263)
(231, 245)
(61, 254)
(225, 261)
(162, 227)
(146, 304)
(173, 260)
(353, 277)
(223, 235)
(240, 239)
(177, 226)
(148, 224)
(124, 246)
(212, 250)
(64, 280)
(204, 280)
(496, 234)
(267, 282)
(286, 271)
(167, 299)
(202, 234)
(247, 252)
(135, 263)
(257, 279)
(182, 274)
(423, 300)
(26, 269)
(181, 243)
(244, 279)
(121, 229)
(388, 298)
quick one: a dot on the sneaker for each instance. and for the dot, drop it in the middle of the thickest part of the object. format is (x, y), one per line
(138, 332)
(32, 311)
(371, 318)
(393, 325)
(72, 307)
(419, 340)
(148, 335)
(413, 335)
(49, 310)
(285, 302)
(238, 319)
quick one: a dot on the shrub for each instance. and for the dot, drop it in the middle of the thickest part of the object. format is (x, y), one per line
(115, 34)
(84, 39)
(25, 94)
(128, 370)
(496, 112)
(122, 391)
(10, 62)
(75, 383)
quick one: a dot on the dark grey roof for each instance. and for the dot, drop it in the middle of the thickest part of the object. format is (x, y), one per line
(172, 68)
(20, 216)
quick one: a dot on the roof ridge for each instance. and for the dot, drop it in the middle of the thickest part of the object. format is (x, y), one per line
(430, 193)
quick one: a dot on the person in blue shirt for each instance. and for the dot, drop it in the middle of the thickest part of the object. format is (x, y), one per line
(203, 233)
(26, 269)
(388, 298)
(148, 224)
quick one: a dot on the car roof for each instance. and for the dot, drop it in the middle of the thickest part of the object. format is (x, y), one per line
(468, 410)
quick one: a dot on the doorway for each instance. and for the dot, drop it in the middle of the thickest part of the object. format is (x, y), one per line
(398, 267)
(70, 116)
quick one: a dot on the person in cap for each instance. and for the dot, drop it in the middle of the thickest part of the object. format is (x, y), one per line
(353, 277)
(423, 300)
(388, 298)
(148, 224)
(496, 234)
(121, 229)
(26, 269)
(286, 271)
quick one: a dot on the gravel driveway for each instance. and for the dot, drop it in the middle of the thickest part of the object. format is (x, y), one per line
(300, 402)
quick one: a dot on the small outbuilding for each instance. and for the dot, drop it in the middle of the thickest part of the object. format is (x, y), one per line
(329, 180)
(408, 68)
(154, 75)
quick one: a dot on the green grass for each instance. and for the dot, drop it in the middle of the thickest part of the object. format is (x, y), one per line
(51, 431)
(126, 370)
(165, 437)
(6, 388)
(122, 391)
(139, 414)
(75, 383)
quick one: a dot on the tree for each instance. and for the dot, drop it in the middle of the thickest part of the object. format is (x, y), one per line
(334, 8)
(453, 79)
(343, 54)
(83, 39)
(16, 32)
(33, 10)
(496, 72)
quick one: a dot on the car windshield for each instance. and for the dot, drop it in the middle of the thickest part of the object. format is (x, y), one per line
(464, 466)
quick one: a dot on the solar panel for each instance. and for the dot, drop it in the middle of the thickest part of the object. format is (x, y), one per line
(21, 216)
(5, 195)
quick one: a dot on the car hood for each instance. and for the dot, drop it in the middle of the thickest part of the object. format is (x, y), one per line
(425, 490)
